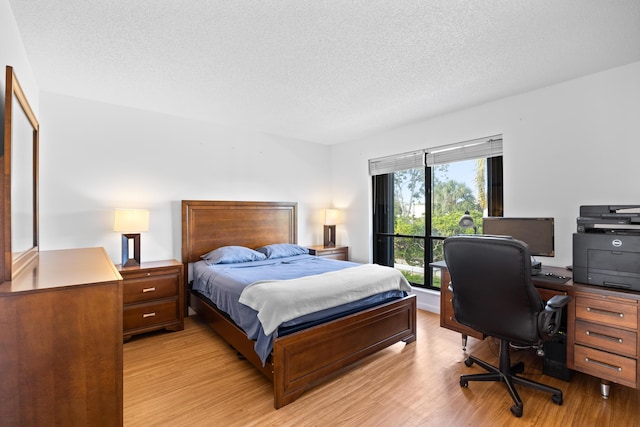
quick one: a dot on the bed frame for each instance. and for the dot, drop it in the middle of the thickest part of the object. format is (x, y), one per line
(304, 359)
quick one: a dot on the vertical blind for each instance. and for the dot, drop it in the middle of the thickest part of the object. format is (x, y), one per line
(467, 150)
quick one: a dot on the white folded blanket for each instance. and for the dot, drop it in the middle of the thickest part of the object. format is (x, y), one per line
(278, 301)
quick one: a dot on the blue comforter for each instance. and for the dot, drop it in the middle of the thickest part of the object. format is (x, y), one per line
(223, 284)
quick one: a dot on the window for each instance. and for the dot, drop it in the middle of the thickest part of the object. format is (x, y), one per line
(419, 197)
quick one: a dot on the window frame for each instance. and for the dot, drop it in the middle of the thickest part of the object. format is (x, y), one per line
(382, 170)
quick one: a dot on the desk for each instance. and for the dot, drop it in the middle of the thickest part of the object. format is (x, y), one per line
(602, 326)
(546, 289)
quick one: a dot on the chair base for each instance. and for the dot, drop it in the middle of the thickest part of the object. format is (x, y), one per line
(507, 374)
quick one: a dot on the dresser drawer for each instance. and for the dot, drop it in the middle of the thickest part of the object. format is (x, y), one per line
(612, 367)
(610, 312)
(150, 314)
(614, 340)
(149, 287)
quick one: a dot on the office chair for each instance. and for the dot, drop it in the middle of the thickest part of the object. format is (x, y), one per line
(493, 294)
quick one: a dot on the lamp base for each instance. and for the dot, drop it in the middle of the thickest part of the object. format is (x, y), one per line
(126, 261)
(130, 263)
(329, 236)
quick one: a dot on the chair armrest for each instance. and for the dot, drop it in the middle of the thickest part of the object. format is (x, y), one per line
(549, 319)
(557, 302)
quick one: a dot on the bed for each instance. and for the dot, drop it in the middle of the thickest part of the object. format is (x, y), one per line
(299, 360)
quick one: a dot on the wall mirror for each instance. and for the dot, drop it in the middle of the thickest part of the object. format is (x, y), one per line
(19, 179)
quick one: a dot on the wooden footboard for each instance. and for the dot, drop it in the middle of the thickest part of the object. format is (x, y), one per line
(307, 358)
(310, 357)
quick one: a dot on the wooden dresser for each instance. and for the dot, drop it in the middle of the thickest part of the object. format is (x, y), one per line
(152, 297)
(61, 341)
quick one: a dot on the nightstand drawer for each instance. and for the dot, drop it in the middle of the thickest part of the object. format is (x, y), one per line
(339, 252)
(151, 287)
(339, 255)
(150, 314)
(612, 367)
(607, 338)
(153, 297)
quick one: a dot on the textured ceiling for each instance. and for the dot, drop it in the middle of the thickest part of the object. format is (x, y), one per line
(322, 71)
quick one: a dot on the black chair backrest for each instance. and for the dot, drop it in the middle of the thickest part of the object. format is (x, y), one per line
(492, 289)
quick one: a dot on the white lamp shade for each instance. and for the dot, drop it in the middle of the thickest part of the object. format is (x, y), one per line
(330, 216)
(131, 220)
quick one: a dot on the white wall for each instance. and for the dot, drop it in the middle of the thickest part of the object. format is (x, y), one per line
(12, 53)
(96, 157)
(566, 145)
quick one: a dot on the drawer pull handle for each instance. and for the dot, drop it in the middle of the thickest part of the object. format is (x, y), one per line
(145, 315)
(145, 290)
(604, 365)
(604, 337)
(605, 312)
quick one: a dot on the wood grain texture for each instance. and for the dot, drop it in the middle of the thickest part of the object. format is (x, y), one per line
(194, 378)
(61, 345)
(207, 225)
(152, 296)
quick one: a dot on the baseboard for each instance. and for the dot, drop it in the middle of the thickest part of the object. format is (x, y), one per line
(428, 299)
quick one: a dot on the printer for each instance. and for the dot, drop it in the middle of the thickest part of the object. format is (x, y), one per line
(606, 247)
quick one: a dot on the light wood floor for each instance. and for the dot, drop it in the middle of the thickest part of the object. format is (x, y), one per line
(192, 378)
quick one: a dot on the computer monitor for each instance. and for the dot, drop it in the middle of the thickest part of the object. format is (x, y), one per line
(537, 233)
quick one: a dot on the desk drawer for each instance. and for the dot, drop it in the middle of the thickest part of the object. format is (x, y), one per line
(547, 294)
(612, 367)
(615, 340)
(150, 314)
(609, 312)
(447, 317)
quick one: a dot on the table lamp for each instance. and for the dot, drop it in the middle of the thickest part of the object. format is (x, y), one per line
(466, 221)
(130, 222)
(330, 219)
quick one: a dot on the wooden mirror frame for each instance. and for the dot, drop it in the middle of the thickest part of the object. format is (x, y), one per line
(14, 261)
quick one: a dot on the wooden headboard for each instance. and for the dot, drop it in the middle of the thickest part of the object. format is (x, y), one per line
(207, 225)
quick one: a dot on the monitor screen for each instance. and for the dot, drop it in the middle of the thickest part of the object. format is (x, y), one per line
(538, 233)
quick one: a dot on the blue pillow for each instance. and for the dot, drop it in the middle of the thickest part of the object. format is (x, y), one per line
(281, 250)
(232, 254)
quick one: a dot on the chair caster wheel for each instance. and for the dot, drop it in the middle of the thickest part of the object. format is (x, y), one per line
(516, 410)
(557, 399)
(464, 383)
(468, 362)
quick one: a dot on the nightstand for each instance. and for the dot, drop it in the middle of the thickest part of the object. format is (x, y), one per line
(153, 297)
(338, 252)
